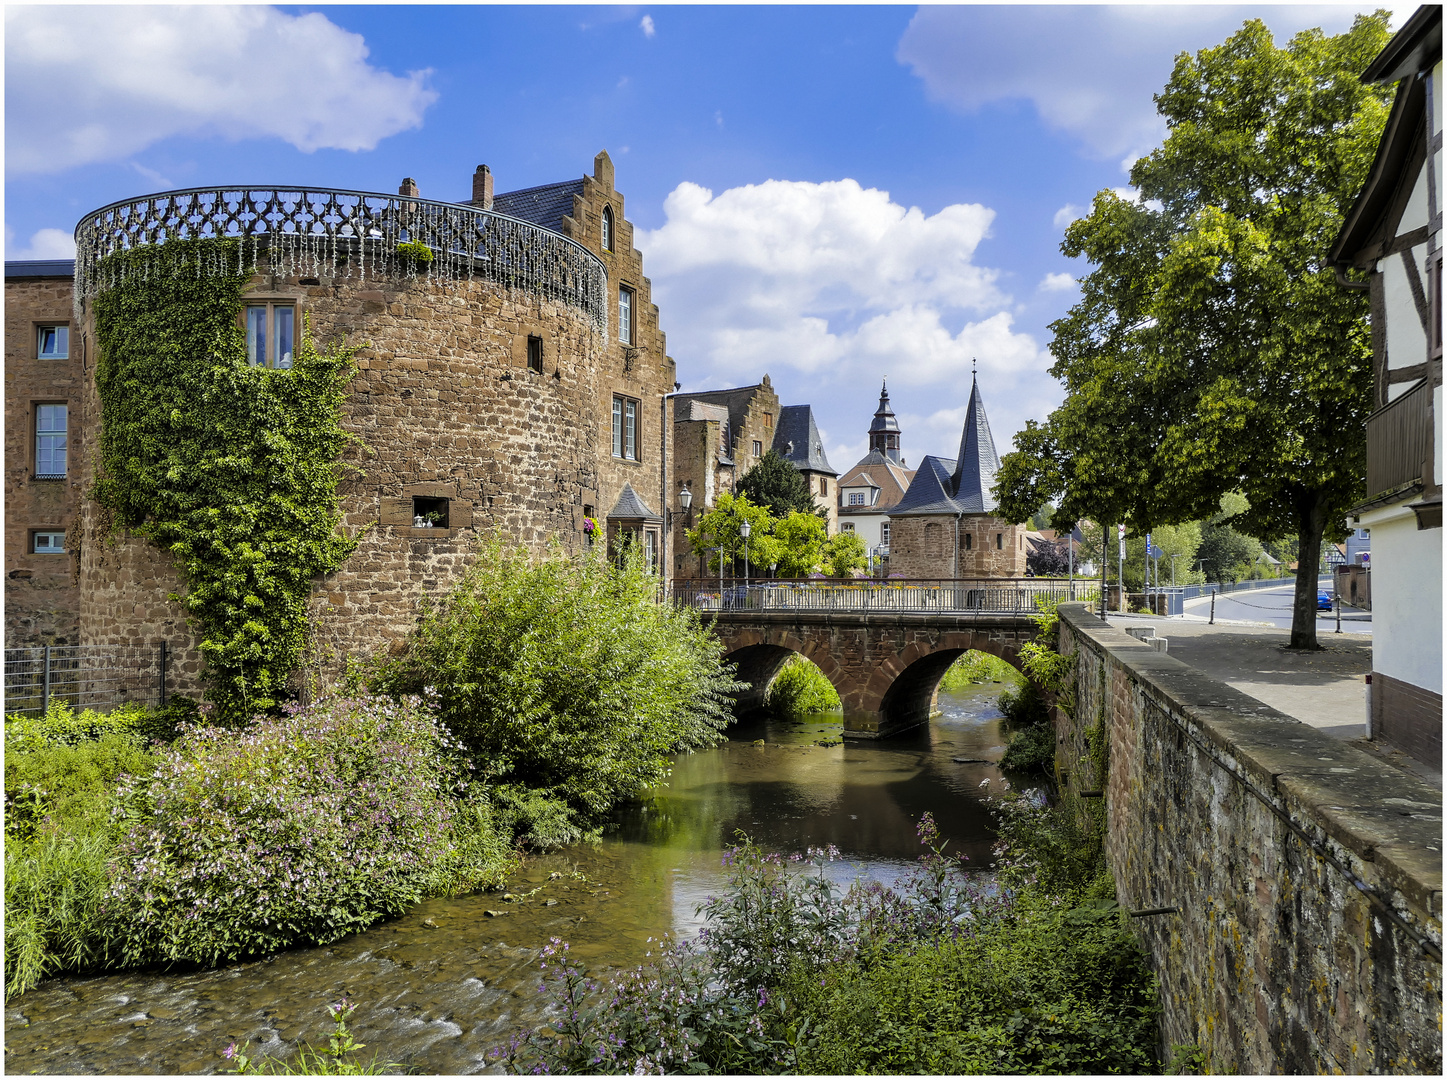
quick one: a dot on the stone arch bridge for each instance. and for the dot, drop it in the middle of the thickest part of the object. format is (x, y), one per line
(886, 667)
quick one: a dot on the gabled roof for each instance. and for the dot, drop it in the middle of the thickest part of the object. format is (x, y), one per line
(859, 479)
(797, 438)
(1414, 48)
(630, 507)
(736, 401)
(878, 471)
(962, 486)
(686, 410)
(57, 268)
(545, 205)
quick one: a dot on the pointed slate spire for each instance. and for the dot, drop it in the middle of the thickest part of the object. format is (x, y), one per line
(884, 432)
(978, 463)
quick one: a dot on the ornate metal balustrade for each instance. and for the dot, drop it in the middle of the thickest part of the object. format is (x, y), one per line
(984, 596)
(302, 229)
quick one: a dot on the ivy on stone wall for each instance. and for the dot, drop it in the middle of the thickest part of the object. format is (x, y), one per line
(233, 469)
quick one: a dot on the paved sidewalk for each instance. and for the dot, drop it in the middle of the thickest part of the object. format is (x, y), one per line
(1326, 689)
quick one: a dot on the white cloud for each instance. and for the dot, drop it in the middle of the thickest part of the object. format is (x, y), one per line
(44, 244)
(1089, 70)
(1068, 213)
(88, 84)
(1057, 283)
(830, 287)
(646, 25)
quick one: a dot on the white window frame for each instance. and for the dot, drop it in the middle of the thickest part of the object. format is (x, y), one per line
(55, 542)
(625, 428)
(52, 442)
(884, 534)
(270, 353)
(856, 498)
(61, 338)
(625, 315)
(608, 228)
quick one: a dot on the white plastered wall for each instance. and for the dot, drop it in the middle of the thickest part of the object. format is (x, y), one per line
(1406, 597)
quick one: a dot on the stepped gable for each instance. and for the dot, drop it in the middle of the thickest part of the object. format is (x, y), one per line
(962, 486)
(545, 205)
(797, 439)
(735, 401)
(630, 506)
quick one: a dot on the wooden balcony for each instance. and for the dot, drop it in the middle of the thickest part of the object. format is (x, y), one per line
(1399, 441)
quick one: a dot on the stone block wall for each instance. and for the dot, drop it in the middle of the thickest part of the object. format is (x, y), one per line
(923, 546)
(445, 406)
(41, 592)
(1307, 875)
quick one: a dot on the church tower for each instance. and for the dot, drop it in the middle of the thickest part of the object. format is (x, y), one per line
(884, 431)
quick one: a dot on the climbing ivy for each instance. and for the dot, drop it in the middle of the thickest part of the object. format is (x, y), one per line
(231, 468)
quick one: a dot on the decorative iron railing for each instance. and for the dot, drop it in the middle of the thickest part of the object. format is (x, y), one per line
(983, 596)
(302, 229)
(84, 676)
(1399, 440)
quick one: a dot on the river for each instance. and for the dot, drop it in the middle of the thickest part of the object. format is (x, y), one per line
(440, 986)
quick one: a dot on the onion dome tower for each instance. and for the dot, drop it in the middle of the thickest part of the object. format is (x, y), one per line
(884, 431)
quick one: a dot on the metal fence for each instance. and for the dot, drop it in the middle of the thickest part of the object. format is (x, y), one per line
(97, 677)
(942, 595)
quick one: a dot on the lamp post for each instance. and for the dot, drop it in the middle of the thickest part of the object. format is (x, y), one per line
(744, 531)
(1173, 569)
(685, 500)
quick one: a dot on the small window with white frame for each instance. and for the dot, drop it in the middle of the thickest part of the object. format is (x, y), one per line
(607, 228)
(47, 542)
(625, 428)
(270, 334)
(848, 527)
(51, 424)
(53, 341)
(884, 534)
(625, 316)
(856, 498)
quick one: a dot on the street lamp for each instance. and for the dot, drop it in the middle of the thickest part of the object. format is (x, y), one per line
(1173, 569)
(744, 531)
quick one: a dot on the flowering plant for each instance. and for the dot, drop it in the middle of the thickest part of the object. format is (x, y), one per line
(589, 525)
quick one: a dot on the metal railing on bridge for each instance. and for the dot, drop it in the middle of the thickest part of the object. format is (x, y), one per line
(983, 596)
(97, 677)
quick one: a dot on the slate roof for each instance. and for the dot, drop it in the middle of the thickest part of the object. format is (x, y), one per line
(40, 268)
(884, 416)
(797, 438)
(630, 507)
(962, 486)
(545, 205)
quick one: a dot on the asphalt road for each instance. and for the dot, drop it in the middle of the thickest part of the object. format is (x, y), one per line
(1273, 606)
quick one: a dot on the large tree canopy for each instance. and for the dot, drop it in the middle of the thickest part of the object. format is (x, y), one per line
(1212, 349)
(774, 483)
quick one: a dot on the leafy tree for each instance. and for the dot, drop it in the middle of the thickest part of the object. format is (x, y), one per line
(1050, 559)
(775, 484)
(566, 675)
(1227, 555)
(722, 527)
(1041, 518)
(801, 537)
(844, 554)
(1181, 540)
(1212, 349)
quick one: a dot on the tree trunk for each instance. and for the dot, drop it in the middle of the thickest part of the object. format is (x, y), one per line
(1311, 527)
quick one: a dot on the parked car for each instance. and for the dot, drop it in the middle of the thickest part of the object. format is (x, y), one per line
(1323, 600)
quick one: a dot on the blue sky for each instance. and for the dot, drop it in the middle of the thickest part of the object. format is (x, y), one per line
(832, 195)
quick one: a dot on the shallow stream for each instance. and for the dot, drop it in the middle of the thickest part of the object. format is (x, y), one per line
(451, 979)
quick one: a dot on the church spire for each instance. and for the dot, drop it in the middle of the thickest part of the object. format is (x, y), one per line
(884, 432)
(978, 463)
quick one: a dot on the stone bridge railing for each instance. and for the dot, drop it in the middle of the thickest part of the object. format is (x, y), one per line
(980, 596)
(303, 229)
(1293, 881)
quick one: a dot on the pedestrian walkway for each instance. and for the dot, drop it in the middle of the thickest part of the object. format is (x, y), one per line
(1326, 689)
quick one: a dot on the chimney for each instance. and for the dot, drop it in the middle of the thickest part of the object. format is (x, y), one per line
(482, 188)
(409, 187)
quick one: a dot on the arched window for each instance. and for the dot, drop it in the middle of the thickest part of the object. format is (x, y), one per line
(607, 228)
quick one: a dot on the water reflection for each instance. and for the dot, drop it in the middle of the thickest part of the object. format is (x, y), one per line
(449, 980)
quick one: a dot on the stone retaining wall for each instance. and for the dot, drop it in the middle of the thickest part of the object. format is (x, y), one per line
(1307, 874)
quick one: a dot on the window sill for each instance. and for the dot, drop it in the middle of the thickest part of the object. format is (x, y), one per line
(436, 531)
(48, 477)
(627, 461)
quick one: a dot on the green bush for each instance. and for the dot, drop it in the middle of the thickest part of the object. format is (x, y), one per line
(1031, 749)
(976, 667)
(800, 688)
(1023, 705)
(299, 829)
(567, 675)
(60, 725)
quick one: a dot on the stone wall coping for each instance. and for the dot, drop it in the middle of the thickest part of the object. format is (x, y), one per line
(1380, 814)
(991, 620)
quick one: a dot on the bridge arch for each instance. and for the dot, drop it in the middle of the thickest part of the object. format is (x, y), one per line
(887, 676)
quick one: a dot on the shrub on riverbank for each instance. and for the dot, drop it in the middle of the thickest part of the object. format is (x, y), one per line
(567, 676)
(800, 688)
(938, 974)
(974, 668)
(299, 829)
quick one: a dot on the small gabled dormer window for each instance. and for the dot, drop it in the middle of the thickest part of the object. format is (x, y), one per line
(607, 228)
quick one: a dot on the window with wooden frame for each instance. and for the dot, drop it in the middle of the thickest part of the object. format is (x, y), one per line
(625, 428)
(52, 341)
(270, 333)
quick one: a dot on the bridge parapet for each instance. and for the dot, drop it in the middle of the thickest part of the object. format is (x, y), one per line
(968, 596)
